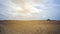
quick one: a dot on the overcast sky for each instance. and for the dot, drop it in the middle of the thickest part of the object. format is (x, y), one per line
(29, 9)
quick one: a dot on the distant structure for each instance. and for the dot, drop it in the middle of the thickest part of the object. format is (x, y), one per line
(48, 20)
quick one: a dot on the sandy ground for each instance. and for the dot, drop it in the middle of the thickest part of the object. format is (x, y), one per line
(29, 27)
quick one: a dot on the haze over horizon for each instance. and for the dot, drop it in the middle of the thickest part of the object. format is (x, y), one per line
(29, 9)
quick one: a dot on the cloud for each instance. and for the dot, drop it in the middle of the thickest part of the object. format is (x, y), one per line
(32, 9)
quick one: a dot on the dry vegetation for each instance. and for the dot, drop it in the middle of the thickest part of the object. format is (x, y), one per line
(29, 27)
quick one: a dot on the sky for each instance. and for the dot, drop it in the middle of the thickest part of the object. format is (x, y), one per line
(29, 9)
